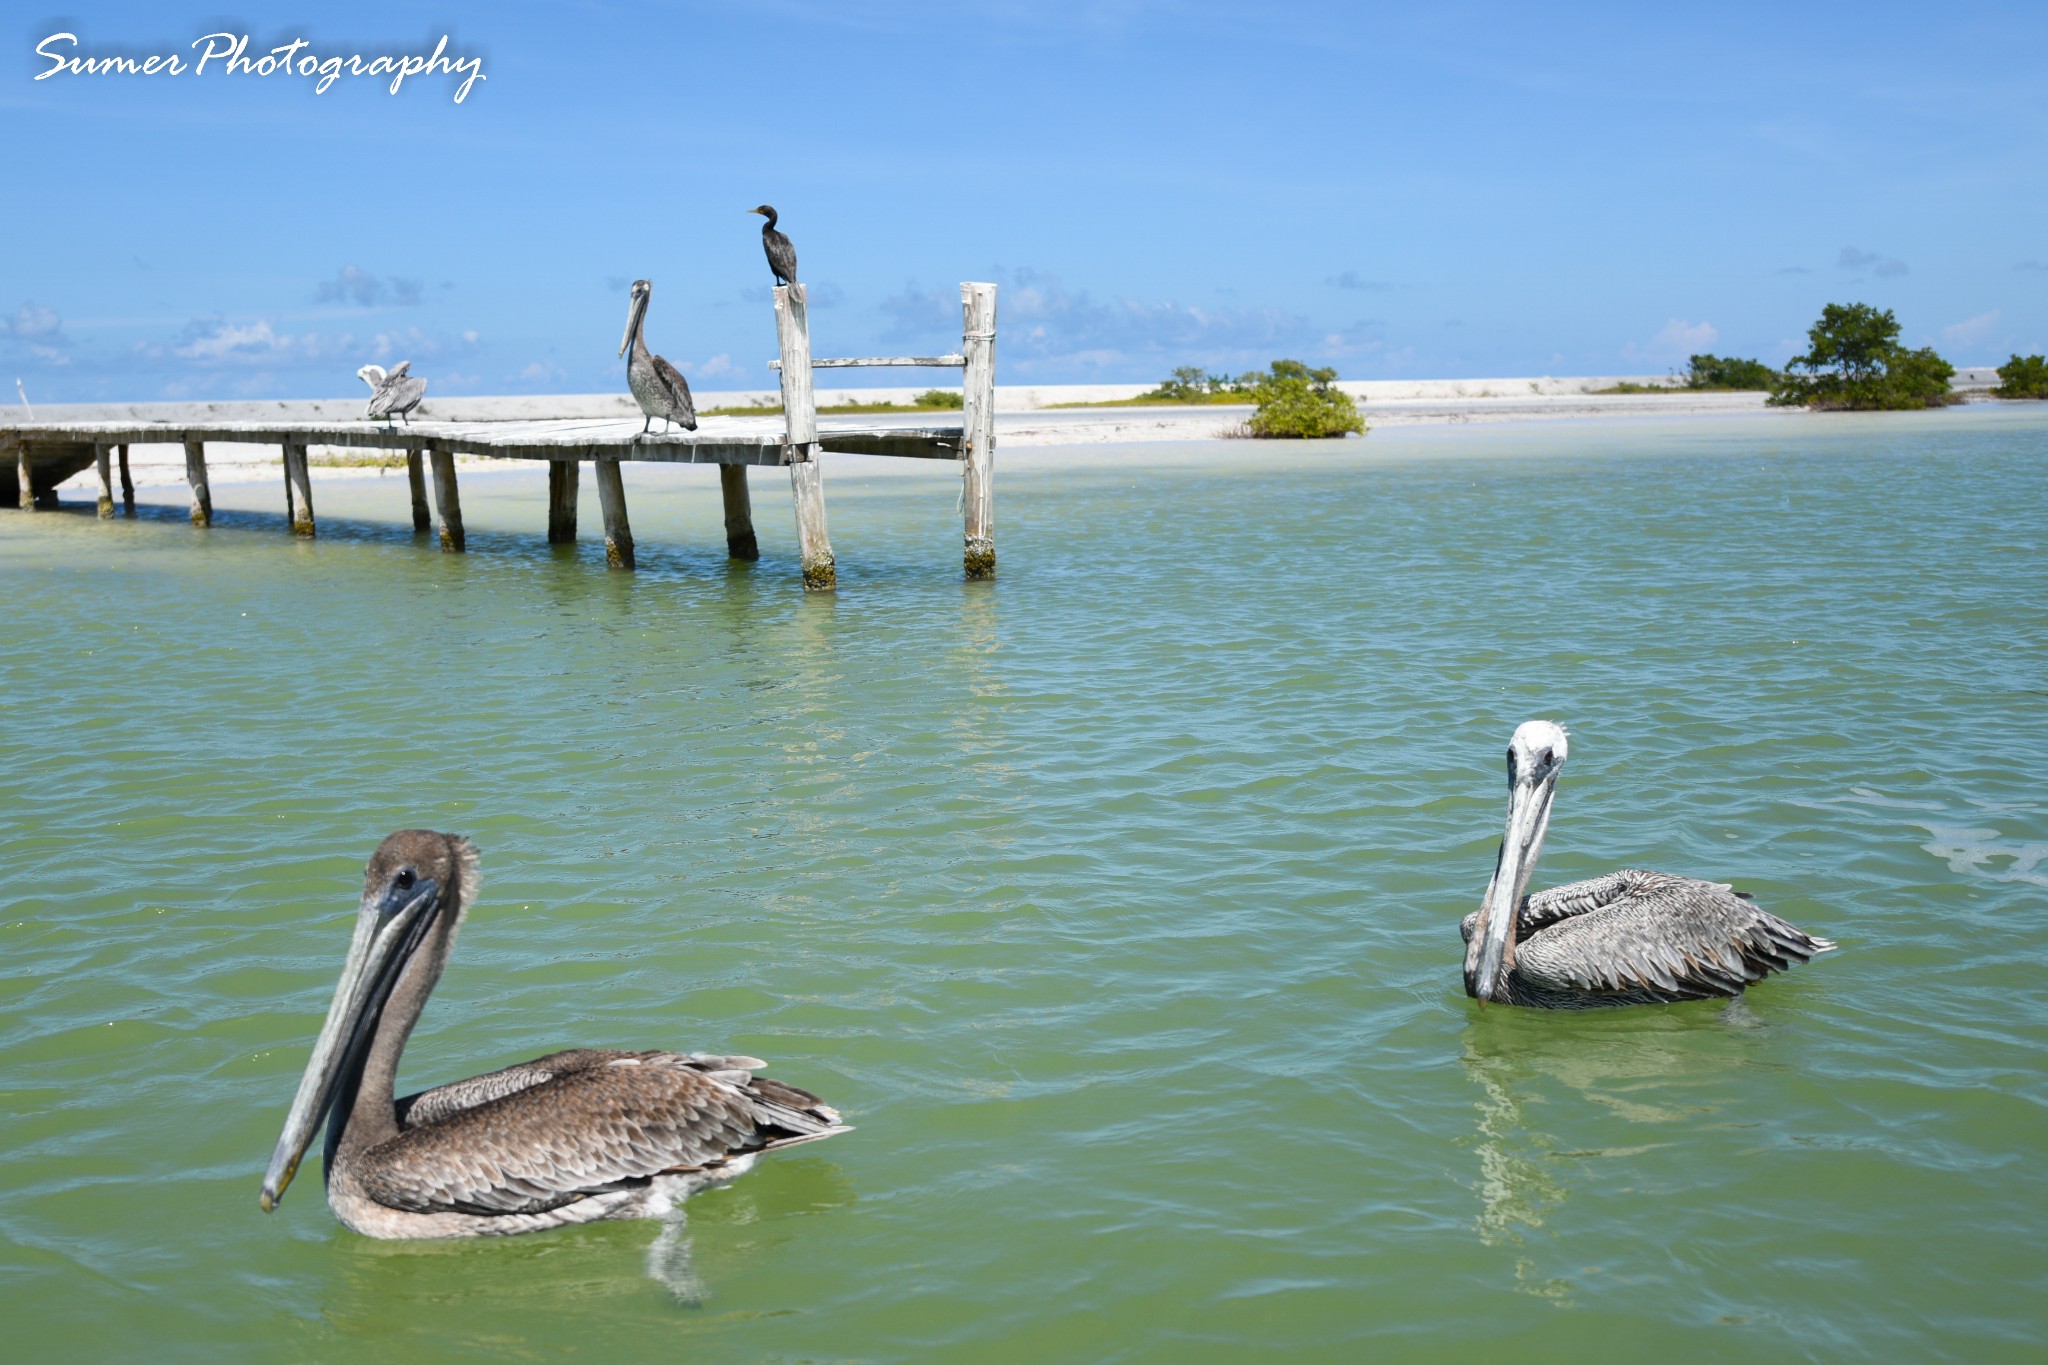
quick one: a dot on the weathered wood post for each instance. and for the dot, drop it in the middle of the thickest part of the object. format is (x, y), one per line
(449, 499)
(978, 426)
(416, 480)
(195, 474)
(127, 484)
(298, 488)
(24, 474)
(800, 440)
(564, 478)
(739, 512)
(618, 532)
(99, 459)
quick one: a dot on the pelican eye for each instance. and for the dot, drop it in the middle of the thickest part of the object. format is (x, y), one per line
(1546, 758)
(405, 879)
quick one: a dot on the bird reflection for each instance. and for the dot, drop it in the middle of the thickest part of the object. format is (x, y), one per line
(1658, 1070)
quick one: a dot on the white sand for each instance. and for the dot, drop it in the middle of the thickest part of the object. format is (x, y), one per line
(1025, 416)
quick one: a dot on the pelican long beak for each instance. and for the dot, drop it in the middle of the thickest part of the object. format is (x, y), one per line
(1491, 954)
(387, 930)
(634, 309)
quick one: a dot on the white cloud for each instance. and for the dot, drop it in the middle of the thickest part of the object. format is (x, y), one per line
(1971, 331)
(32, 320)
(357, 286)
(720, 364)
(541, 371)
(1679, 340)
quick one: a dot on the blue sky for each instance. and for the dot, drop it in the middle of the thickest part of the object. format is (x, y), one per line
(1395, 190)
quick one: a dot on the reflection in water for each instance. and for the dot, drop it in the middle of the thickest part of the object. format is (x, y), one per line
(1641, 1067)
(668, 1261)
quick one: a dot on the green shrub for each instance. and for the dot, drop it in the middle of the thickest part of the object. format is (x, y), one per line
(939, 398)
(1726, 372)
(1295, 401)
(2024, 376)
(1854, 362)
(1192, 384)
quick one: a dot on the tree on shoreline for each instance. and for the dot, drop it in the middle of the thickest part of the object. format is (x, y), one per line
(1296, 401)
(1726, 372)
(2024, 376)
(1854, 362)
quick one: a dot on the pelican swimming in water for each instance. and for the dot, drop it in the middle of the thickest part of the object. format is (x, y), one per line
(395, 392)
(1628, 938)
(658, 387)
(781, 251)
(568, 1138)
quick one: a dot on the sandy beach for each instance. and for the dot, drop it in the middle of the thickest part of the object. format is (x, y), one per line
(1028, 416)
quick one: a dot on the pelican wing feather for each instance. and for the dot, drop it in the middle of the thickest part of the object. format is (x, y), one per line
(677, 389)
(590, 1130)
(1637, 937)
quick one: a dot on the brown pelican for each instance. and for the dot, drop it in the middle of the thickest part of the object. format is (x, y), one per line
(781, 251)
(395, 392)
(658, 387)
(1628, 938)
(567, 1138)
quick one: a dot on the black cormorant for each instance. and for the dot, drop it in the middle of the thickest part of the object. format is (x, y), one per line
(781, 251)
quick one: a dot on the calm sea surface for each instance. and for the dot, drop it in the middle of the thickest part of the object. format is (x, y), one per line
(1115, 901)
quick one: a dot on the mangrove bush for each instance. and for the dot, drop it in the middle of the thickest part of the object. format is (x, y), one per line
(1854, 362)
(2024, 376)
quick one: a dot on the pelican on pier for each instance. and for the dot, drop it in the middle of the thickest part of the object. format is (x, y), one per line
(396, 392)
(571, 1137)
(658, 387)
(1628, 938)
(781, 251)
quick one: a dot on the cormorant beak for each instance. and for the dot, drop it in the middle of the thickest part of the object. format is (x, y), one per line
(757, 211)
(388, 928)
(1491, 953)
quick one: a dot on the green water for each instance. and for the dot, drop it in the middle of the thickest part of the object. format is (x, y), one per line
(1115, 901)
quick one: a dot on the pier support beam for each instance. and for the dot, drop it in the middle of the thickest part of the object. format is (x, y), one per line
(739, 512)
(800, 441)
(24, 480)
(416, 480)
(127, 484)
(298, 488)
(978, 427)
(99, 460)
(564, 481)
(195, 474)
(618, 532)
(449, 499)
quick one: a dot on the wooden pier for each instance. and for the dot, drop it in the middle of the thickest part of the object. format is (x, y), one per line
(45, 454)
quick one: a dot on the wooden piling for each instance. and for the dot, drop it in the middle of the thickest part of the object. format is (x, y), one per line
(618, 532)
(25, 479)
(978, 427)
(127, 484)
(100, 462)
(800, 441)
(564, 480)
(739, 513)
(195, 474)
(298, 488)
(416, 480)
(449, 499)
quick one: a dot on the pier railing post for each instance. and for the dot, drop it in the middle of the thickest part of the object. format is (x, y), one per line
(195, 474)
(618, 532)
(416, 481)
(298, 487)
(564, 476)
(978, 427)
(99, 459)
(449, 499)
(800, 441)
